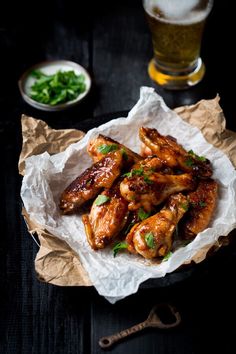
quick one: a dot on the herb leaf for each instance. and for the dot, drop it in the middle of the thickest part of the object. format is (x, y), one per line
(101, 199)
(167, 256)
(147, 180)
(119, 246)
(138, 172)
(190, 152)
(149, 239)
(128, 174)
(189, 162)
(104, 149)
(124, 153)
(201, 158)
(61, 87)
(197, 157)
(142, 215)
(185, 206)
(200, 204)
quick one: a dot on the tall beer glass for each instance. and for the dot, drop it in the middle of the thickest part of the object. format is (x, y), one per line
(176, 27)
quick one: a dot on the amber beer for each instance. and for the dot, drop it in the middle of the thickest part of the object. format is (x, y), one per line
(176, 27)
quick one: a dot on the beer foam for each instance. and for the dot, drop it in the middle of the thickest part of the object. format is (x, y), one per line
(178, 11)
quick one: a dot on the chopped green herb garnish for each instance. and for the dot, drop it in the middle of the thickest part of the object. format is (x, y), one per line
(197, 157)
(142, 215)
(138, 172)
(101, 199)
(167, 256)
(124, 153)
(200, 204)
(89, 182)
(147, 180)
(61, 87)
(149, 239)
(184, 206)
(190, 152)
(201, 158)
(134, 172)
(128, 174)
(189, 162)
(104, 149)
(119, 246)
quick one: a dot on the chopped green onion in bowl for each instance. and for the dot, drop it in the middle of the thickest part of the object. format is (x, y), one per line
(61, 87)
(54, 85)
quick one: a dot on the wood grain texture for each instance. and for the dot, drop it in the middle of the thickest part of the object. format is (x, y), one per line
(121, 50)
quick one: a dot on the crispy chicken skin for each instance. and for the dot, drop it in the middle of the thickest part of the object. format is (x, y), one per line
(153, 237)
(102, 140)
(106, 221)
(150, 163)
(163, 146)
(202, 206)
(102, 174)
(172, 154)
(150, 190)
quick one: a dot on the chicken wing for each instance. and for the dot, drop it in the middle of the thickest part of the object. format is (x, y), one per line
(153, 237)
(174, 155)
(148, 190)
(202, 206)
(150, 163)
(105, 221)
(102, 174)
(102, 144)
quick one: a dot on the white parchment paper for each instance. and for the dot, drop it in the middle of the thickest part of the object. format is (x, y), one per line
(47, 176)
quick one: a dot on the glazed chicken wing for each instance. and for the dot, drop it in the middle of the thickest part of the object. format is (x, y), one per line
(153, 237)
(99, 146)
(202, 206)
(147, 191)
(150, 163)
(174, 155)
(105, 221)
(102, 174)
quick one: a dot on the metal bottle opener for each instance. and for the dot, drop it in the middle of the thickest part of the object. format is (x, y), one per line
(153, 320)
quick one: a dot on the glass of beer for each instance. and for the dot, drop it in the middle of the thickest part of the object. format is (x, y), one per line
(176, 27)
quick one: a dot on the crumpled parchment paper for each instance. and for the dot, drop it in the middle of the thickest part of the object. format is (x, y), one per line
(46, 177)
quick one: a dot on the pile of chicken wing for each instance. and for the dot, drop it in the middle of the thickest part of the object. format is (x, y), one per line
(145, 200)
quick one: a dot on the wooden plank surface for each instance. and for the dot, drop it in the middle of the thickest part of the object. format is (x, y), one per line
(121, 50)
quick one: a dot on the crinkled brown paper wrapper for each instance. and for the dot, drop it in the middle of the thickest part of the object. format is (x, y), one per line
(56, 262)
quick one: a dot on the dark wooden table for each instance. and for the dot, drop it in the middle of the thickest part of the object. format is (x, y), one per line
(112, 41)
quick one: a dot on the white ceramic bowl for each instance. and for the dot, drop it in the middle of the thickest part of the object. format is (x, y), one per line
(49, 68)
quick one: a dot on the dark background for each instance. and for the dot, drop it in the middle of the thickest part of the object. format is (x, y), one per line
(111, 40)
